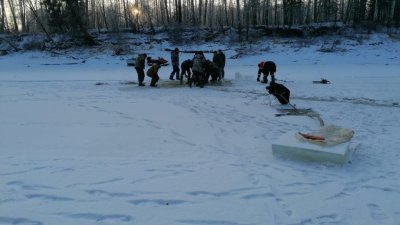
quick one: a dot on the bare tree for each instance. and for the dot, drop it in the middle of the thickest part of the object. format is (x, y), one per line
(266, 10)
(22, 15)
(205, 12)
(308, 10)
(315, 11)
(103, 14)
(211, 13)
(34, 11)
(2, 16)
(238, 20)
(193, 13)
(392, 10)
(179, 11)
(13, 13)
(166, 10)
(276, 13)
(224, 3)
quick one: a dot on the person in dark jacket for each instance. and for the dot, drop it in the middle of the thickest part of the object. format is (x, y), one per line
(175, 64)
(186, 67)
(280, 92)
(266, 68)
(222, 65)
(139, 66)
(219, 59)
(153, 73)
(212, 70)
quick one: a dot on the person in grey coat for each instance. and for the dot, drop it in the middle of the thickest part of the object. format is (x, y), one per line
(198, 69)
(139, 66)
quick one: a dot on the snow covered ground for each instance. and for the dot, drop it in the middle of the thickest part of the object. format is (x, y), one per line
(72, 152)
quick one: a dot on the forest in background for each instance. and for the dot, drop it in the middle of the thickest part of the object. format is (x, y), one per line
(79, 18)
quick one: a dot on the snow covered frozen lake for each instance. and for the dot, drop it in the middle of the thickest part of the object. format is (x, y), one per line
(72, 152)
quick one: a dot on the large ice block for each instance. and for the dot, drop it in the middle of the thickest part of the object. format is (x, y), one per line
(291, 147)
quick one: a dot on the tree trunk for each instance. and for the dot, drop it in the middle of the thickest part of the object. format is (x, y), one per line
(392, 7)
(307, 19)
(254, 7)
(14, 17)
(238, 19)
(265, 7)
(226, 12)
(3, 16)
(315, 14)
(211, 16)
(276, 13)
(375, 18)
(166, 10)
(22, 15)
(179, 11)
(103, 14)
(247, 17)
(193, 14)
(205, 12)
(341, 18)
(126, 13)
(200, 7)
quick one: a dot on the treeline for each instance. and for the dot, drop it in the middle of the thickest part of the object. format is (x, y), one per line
(79, 16)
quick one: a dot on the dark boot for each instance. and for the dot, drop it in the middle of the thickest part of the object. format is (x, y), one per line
(154, 81)
(190, 81)
(265, 80)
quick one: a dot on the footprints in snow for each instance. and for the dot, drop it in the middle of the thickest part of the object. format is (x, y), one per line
(211, 222)
(45, 197)
(115, 218)
(331, 219)
(156, 202)
(102, 193)
(377, 214)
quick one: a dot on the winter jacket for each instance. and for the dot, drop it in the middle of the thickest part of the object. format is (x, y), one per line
(153, 70)
(187, 64)
(175, 58)
(140, 61)
(219, 59)
(280, 92)
(266, 68)
(211, 67)
(199, 64)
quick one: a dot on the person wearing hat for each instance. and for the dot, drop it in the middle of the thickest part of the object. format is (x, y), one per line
(266, 68)
(139, 66)
(175, 64)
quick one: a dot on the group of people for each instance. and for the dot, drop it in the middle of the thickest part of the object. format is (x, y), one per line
(198, 71)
